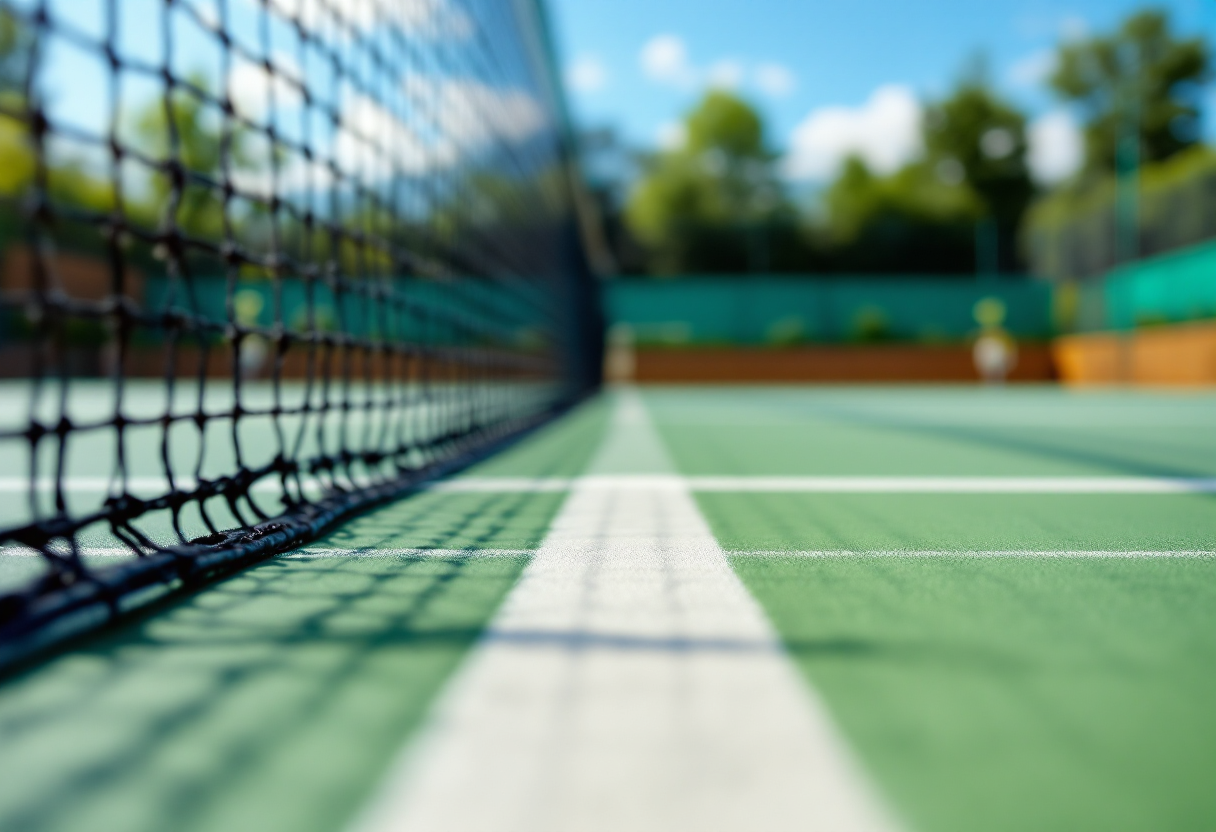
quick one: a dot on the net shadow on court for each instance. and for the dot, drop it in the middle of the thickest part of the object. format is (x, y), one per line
(311, 258)
(289, 686)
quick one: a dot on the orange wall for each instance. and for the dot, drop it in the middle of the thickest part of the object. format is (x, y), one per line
(1183, 354)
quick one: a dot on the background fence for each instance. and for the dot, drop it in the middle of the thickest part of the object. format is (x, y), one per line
(785, 311)
(1171, 288)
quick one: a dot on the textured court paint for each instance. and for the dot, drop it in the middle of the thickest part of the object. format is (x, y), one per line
(316, 553)
(275, 699)
(560, 449)
(269, 702)
(628, 683)
(986, 691)
(974, 522)
(425, 521)
(842, 485)
(1016, 431)
(943, 553)
(1004, 694)
(446, 521)
(1033, 689)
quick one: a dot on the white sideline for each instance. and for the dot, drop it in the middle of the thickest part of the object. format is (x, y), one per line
(308, 553)
(135, 484)
(845, 484)
(742, 484)
(975, 553)
(372, 552)
(629, 682)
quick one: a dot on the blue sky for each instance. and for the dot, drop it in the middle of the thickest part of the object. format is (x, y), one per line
(829, 76)
(460, 93)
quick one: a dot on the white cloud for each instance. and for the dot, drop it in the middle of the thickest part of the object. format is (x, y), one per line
(426, 18)
(664, 59)
(250, 86)
(209, 15)
(472, 116)
(884, 131)
(774, 80)
(586, 74)
(1056, 149)
(1043, 25)
(1033, 70)
(726, 74)
(672, 135)
(1073, 27)
(373, 143)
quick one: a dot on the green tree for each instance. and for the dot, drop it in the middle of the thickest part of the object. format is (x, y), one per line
(714, 203)
(15, 44)
(186, 130)
(975, 137)
(972, 177)
(913, 220)
(1141, 78)
(16, 157)
(69, 181)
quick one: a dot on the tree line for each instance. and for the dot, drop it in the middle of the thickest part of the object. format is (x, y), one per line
(717, 203)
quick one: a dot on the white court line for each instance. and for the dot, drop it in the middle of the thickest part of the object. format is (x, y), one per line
(629, 682)
(309, 554)
(137, 484)
(741, 484)
(502, 484)
(86, 551)
(370, 552)
(304, 554)
(976, 553)
(843, 484)
(960, 485)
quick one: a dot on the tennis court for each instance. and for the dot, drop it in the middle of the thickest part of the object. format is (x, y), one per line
(316, 513)
(997, 605)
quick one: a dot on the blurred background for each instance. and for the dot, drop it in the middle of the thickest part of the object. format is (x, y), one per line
(860, 191)
(774, 191)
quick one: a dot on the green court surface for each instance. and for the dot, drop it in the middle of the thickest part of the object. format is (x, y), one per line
(1011, 662)
(274, 700)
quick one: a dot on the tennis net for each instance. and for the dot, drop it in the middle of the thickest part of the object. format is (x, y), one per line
(265, 263)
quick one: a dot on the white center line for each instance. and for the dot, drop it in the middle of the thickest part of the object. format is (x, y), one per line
(826, 484)
(843, 484)
(978, 553)
(442, 554)
(630, 682)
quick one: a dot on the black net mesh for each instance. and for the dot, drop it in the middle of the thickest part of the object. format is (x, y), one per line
(264, 263)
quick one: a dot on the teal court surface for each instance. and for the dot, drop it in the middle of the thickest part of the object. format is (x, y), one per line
(935, 609)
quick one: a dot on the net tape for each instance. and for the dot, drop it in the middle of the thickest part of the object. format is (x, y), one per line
(340, 236)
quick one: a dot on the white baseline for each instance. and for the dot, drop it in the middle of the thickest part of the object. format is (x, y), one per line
(842, 484)
(741, 484)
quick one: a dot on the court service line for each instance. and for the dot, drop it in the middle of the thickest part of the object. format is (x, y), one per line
(444, 554)
(631, 682)
(842, 484)
(375, 552)
(136, 484)
(741, 484)
(975, 553)
(305, 553)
